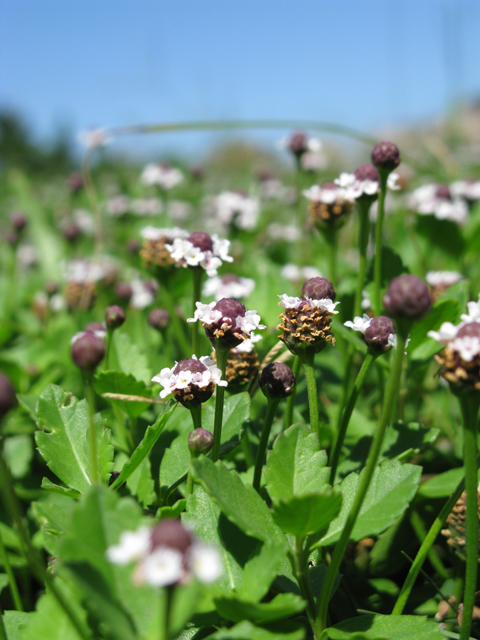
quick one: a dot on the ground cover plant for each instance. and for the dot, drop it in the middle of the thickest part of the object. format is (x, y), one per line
(240, 404)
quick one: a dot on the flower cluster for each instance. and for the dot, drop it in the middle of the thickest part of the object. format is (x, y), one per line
(378, 333)
(233, 208)
(460, 359)
(165, 555)
(242, 364)
(438, 200)
(228, 286)
(469, 190)
(191, 380)
(329, 204)
(440, 281)
(364, 182)
(227, 321)
(306, 321)
(119, 205)
(162, 175)
(200, 250)
(154, 252)
(308, 151)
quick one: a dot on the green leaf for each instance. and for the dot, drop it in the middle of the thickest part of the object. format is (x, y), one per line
(296, 466)
(141, 485)
(175, 511)
(307, 514)
(53, 515)
(149, 439)
(240, 503)
(50, 621)
(285, 630)
(442, 485)
(282, 606)
(119, 382)
(130, 359)
(374, 627)
(391, 490)
(402, 440)
(15, 622)
(261, 570)
(421, 346)
(392, 266)
(97, 522)
(3, 581)
(18, 452)
(64, 439)
(236, 412)
(444, 234)
(29, 402)
(48, 485)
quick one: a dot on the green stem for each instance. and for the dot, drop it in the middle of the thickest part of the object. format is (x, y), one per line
(331, 239)
(197, 273)
(108, 345)
(301, 571)
(377, 267)
(469, 404)
(262, 447)
(291, 398)
(367, 363)
(17, 601)
(363, 233)
(428, 541)
(3, 632)
(36, 565)
(196, 411)
(420, 532)
(222, 357)
(364, 482)
(179, 329)
(90, 393)
(309, 370)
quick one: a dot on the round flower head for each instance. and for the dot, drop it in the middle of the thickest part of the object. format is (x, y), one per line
(242, 364)
(200, 250)
(154, 252)
(277, 381)
(114, 316)
(460, 359)
(88, 350)
(159, 319)
(306, 322)
(407, 298)
(162, 175)
(318, 289)
(385, 156)
(437, 200)
(192, 381)
(123, 291)
(8, 399)
(200, 441)
(455, 531)
(380, 334)
(228, 286)
(18, 220)
(329, 205)
(227, 322)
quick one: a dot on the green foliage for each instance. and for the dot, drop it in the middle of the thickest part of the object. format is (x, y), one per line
(378, 627)
(63, 440)
(282, 606)
(420, 346)
(118, 382)
(248, 631)
(130, 359)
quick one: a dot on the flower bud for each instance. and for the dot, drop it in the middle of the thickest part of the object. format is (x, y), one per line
(377, 335)
(75, 182)
(159, 319)
(407, 298)
(18, 220)
(199, 441)
(277, 381)
(114, 316)
(96, 327)
(366, 172)
(201, 240)
(385, 156)
(71, 232)
(318, 289)
(123, 291)
(88, 350)
(8, 399)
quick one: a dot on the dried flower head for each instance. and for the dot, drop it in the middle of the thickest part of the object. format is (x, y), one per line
(242, 364)
(154, 252)
(329, 205)
(455, 530)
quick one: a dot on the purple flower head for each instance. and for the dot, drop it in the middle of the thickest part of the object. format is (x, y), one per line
(366, 172)
(201, 240)
(385, 156)
(87, 350)
(380, 334)
(114, 316)
(318, 289)
(200, 441)
(18, 220)
(407, 298)
(277, 381)
(159, 319)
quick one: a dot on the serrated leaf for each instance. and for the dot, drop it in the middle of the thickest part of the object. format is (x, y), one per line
(53, 515)
(307, 514)
(240, 503)
(285, 630)
(296, 465)
(282, 606)
(374, 627)
(64, 439)
(130, 358)
(391, 490)
(119, 382)
(148, 441)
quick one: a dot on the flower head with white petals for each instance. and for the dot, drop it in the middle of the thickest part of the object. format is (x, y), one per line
(200, 250)
(360, 324)
(162, 175)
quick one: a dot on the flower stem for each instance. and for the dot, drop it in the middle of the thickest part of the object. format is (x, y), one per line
(222, 357)
(291, 398)
(469, 405)
(335, 455)
(377, 267)
(179, 330)
(17, 601)
(196, 411)
(364, 481)
(262, 447)
(90, 393)
(422, 553)
(301, 573)
(363, 233)
(197, 273)
(108, 347)
(309, 370)
(331, 239)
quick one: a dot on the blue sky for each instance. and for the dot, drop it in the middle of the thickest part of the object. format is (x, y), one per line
(366, 64)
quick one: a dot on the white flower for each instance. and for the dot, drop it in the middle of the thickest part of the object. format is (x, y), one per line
(247, 346)
(446, 333)
(146, 206)
(425, 200)
(162, 175)
(290, 302)
(205, 313)
(179, 210)
(328, 195)
(117, 206)
(83, 271)
(443, 278)
(288, 232)
(92, 138)
(468, 347)
(205, 562)
(346, 180)
(392, 182)
(467, 189)
(143, 293)
(473, 314)
(249, 322)
(392, 340)
(359, 323)
(160, 568)
(231, 207)
(221, 247)
(228, 287)
(83, 219)
(325, 304)
(133, 545)
(181, 380)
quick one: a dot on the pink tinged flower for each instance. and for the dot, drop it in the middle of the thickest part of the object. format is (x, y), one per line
(205, 313)
(210, 263)
(325, 304)
(92, 138)
(360, 324)
(346, 180)
(205, 562)
(133, 545)
(160, 568)
(467, 347)
(202, 379)
(446, 333)
(221, 247)
(249, 322)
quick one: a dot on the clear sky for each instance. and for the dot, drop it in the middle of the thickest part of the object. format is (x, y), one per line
(363, 63)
